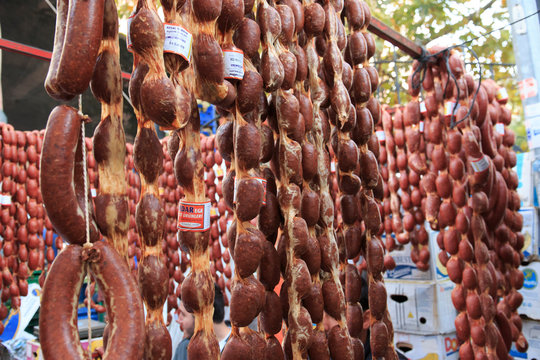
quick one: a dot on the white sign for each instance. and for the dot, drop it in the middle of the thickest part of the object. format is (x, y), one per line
(533, 132)
(178, 41)
(234, 64)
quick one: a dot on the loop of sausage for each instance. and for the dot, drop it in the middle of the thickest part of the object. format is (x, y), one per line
(61, 176)
(58, 332)
(123, 303)
(79, 27)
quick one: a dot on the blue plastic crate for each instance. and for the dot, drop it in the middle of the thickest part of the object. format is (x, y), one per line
(82, 313)
(208, 118)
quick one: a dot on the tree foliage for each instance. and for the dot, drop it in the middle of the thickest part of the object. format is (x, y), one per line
(452, 22)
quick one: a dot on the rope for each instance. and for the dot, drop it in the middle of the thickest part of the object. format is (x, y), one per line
(425, 59)
(87, 223)
(51, 6)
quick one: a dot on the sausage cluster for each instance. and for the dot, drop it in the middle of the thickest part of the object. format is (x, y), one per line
(402, 205)
(155, 101)
(109, 149)
(22, 215)
(86, 50)
(244, 192)
(469, 196)
(277, 209)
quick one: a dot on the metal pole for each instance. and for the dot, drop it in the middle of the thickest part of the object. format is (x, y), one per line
(35, 52)
(396, 79)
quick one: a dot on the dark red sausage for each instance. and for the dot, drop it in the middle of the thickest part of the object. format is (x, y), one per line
(79, 28)
(123, 302)
(58, 333)
(62, 183)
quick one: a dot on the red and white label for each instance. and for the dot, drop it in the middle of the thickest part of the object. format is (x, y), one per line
(502, 95)
(234, 64)
(499, 127)
(194, 216)
(449, 108)
(480, 165)
(128, 37)
(423, 109)
(380, 135)
(178, 41)
(421, 126)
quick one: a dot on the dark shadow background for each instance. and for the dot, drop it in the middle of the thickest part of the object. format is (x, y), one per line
(26, 104)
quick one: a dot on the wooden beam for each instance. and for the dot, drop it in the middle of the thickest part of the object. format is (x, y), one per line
(377, 27)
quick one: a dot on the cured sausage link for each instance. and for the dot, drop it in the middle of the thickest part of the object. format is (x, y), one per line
(59, 336)
(122, 300)
(61, 176)
(79, 28)
(112, 209)
(58, 333)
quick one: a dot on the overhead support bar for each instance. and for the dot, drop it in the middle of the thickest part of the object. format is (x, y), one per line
(385, 32)
(35, 52)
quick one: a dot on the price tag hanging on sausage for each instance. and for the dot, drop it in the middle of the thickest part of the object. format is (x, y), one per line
(423, 109)
(178, 41)
(234, 64)
(128, 37)
(502, 95)
(449, 109)
(194, 216)
(480, 165)
(5, 200)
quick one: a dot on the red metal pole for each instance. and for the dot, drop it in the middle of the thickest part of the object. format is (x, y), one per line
(34, 52)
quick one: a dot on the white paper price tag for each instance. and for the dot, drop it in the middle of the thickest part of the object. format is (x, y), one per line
(93, 192)
(421, 126)
(423, 109)
(449, 108)
(499, 127)
(128, 37)
(178, 41)
(480, 165)
(502, 95)
(234, 64)
(380, 135)
(5, 200)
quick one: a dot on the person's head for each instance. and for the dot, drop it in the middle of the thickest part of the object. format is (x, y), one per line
(219, 305)
(186, 321)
